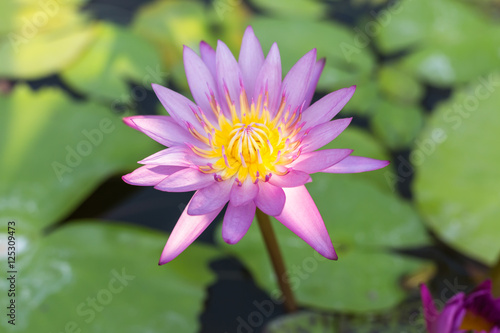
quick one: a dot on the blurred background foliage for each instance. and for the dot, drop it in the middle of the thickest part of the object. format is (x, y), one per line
(427, 75)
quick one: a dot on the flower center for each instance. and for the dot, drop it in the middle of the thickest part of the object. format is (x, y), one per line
(253, 142)
(475, 322)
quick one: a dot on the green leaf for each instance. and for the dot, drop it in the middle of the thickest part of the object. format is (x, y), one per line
(116, 58)
(102, 277)
(407, 317)
(38, 41)
(365, 221)
(456, 162)
(56, 151)
(298, 9)
(399, 86)
(444, 36)
(343, 67)
(397, 124)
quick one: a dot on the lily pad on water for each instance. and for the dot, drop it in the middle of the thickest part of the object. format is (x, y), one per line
(116, 58)
(456, 182)
(397, 124)
(333, 41)
(449, 41)
(407, 317)
(102, 277)
(56, 151)
(40, 39)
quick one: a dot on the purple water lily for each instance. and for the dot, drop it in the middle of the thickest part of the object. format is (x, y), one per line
(251, 140)
(476, 312)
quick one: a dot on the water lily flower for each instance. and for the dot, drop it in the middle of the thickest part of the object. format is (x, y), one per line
(476, 312)
(250, 140)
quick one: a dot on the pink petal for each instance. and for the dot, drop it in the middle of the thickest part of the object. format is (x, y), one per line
(201, 82)
(430, 311)
(210, 198)
(228, 74)
(301, 216)
(208, 56)
(323, 134)
(291, 179)
(178, 107)
(296, 82)
(317, 161)
(270, 199)
(187, 229)
(237, 220)
(327, 107)
(150, 175)
(355, 164)
(269, 78)
(241, 194)
(162, 129)
(188, 179)
(250, 59)
(175, 156)
(317, 70)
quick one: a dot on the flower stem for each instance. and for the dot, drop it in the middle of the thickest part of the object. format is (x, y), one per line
(277, 261)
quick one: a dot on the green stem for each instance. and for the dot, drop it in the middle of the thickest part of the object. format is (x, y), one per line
(277, 261)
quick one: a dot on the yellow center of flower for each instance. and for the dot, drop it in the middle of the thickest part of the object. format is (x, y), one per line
(475, 322)
(253, 142)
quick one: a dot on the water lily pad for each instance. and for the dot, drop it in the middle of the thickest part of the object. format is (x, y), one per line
(86, 276)
(56, 151)
(444, 36)
(299, 9)
(116, 57)
(397, 85)
(456, 182)
(41, 39)
(365, 222)
(346, 64)
(397, 124)
(407, 317)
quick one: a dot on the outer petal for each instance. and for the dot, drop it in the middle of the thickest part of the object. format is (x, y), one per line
(317, 70)
(242, 194)
(162, 129)
(430, 311)
(188, 179)
(150, 175)
(296, 82)
(176, 156)
(177, 106)
(250, 59)
(208, 56)
(291, 179)
(210, 198)
(323, 134)
(228, 74)
(317, 161)
(327, 107)
(270, 199)
(269, 78)
(237, 220)
(187, 229)
(301, 216)
(355, 164)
